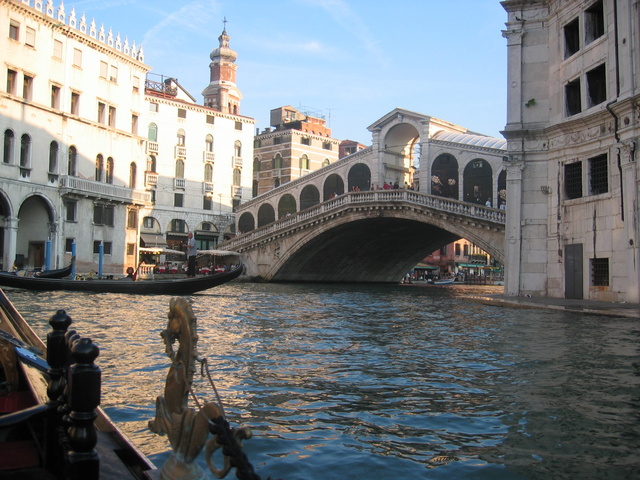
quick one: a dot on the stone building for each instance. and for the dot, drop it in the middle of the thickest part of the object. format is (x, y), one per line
(81, 169)
(296, 144)
(572, 131)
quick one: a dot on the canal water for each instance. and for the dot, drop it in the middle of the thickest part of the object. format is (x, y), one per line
(363, 382)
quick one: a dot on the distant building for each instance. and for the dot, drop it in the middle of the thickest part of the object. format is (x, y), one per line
(572, 131)
(295, 145)
(100, 158)
(348, 147)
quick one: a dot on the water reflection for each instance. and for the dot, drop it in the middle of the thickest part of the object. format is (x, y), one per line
(381, 382)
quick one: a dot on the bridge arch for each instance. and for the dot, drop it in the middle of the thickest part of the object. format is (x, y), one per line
(359, 177)
(478, 181)
(309, 197)
(266, 215)
(444, 176)
(286, 205)
(246, 222)
(333, 185)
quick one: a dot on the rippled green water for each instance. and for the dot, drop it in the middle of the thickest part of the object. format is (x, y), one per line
(360, 382)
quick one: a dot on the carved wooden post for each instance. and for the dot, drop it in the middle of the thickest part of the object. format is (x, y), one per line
(57, 359)
(84, 398)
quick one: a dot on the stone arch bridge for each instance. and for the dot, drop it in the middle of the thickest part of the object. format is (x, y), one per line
(372, 236)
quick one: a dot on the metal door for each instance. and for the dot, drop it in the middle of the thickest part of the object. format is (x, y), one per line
(573, 271)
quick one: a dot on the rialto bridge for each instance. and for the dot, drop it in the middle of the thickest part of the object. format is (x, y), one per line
(339, 223)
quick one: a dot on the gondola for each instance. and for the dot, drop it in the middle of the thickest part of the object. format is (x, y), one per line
(28, 428)
(58, 273)
(180, 286)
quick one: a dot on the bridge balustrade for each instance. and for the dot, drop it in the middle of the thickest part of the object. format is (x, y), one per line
(375, 196)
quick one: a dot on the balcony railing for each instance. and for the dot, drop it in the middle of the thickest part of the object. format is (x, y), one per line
(237, 162)
(179, 183)
(236, 191)
(150, 179)
(208, 156)
(152, 148)
(102, 190)
(207, 187)
(181, 151)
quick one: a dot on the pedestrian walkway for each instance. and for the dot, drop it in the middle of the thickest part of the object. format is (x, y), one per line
(614, 309)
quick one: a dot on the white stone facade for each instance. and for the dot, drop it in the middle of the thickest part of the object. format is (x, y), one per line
(75, 115)
(572, 131)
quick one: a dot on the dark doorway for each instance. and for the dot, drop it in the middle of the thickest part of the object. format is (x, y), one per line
(573, 273)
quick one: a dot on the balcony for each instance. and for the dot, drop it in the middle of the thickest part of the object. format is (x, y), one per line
(207, 187)
(179, 183)
(150, 179)
(276, 172)
(181, 151)
(208, 156)
(304, 171)
(152, 148)
(237, 162)
(236, 191)
(103, 191)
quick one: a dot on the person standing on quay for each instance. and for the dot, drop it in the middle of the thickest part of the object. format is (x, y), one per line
(192, 251)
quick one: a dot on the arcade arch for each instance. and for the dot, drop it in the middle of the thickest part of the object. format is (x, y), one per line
(266, 215)
(359, 177)
(286, 205)
(333, 185)
(309, 197)
(444, 176)
(36, 224)
(478, 181)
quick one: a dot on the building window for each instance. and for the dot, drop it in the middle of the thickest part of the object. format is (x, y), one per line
(207, 203)
(53, 157)
(237, 176)
(277, 161)
(182, 113)
(131, 249)
(597, 85)
(104, 69)
(134, 123)
(304, 162)
(208, 144)
(55, 97)
(75, 103)
(152, 133)
(238, 125)
(457, 249)
(77, 58)
(573, 180)
(178, 199)
(102, 108)
(179, 169)
(30, 37)
(99, 168)
(106, 247)
(208, 173)
(27, 87)
(114, 74)
(593, 22)
(148, 223)
(210, 119)
(465, 250)
(325, 162)
(571, 38)
(109, 171)
(132, 218)
(25, 150)
(153, 107)
(599, 174)
(277, 140)
(572, 97)
(112, 117)
(443, 250)
(326, 145)
(103, 214)
(72, 169)
(14, 30)
(12, 81)
(600, 272)
(306, 141)
(71, 208)
(133, 171)
(9, 142)
(237, 148)
(178, 225)
(57, 49)
(68, 244)
(181, 138)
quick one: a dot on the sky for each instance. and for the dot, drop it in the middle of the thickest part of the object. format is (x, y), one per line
(349, 61)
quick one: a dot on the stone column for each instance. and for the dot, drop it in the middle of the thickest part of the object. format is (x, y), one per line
(513, 232)
(10, 242)
(632, 229)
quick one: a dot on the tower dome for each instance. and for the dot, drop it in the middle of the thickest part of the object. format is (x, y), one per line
(223, 51)
(222, 93)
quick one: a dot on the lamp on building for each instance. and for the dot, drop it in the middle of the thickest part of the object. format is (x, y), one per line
(546, 189)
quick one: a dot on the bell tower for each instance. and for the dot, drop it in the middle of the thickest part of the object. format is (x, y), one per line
(222, 94)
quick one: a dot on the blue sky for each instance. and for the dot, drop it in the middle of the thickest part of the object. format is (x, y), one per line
(352, 61)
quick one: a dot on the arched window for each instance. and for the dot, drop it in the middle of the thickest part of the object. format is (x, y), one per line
(325, 162)
(179, 169)
(99, 167)
(151, 164)
(304, 162)
(109, 171)
(53, 157)
(277, 161)
(9, 140)
(72, 169)
(237, 148)
(256, 165)
(208, 172)
(153, 132)
(237, 173)
(181, 138)
(133, 171)
(208, 143)
(25, 150)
